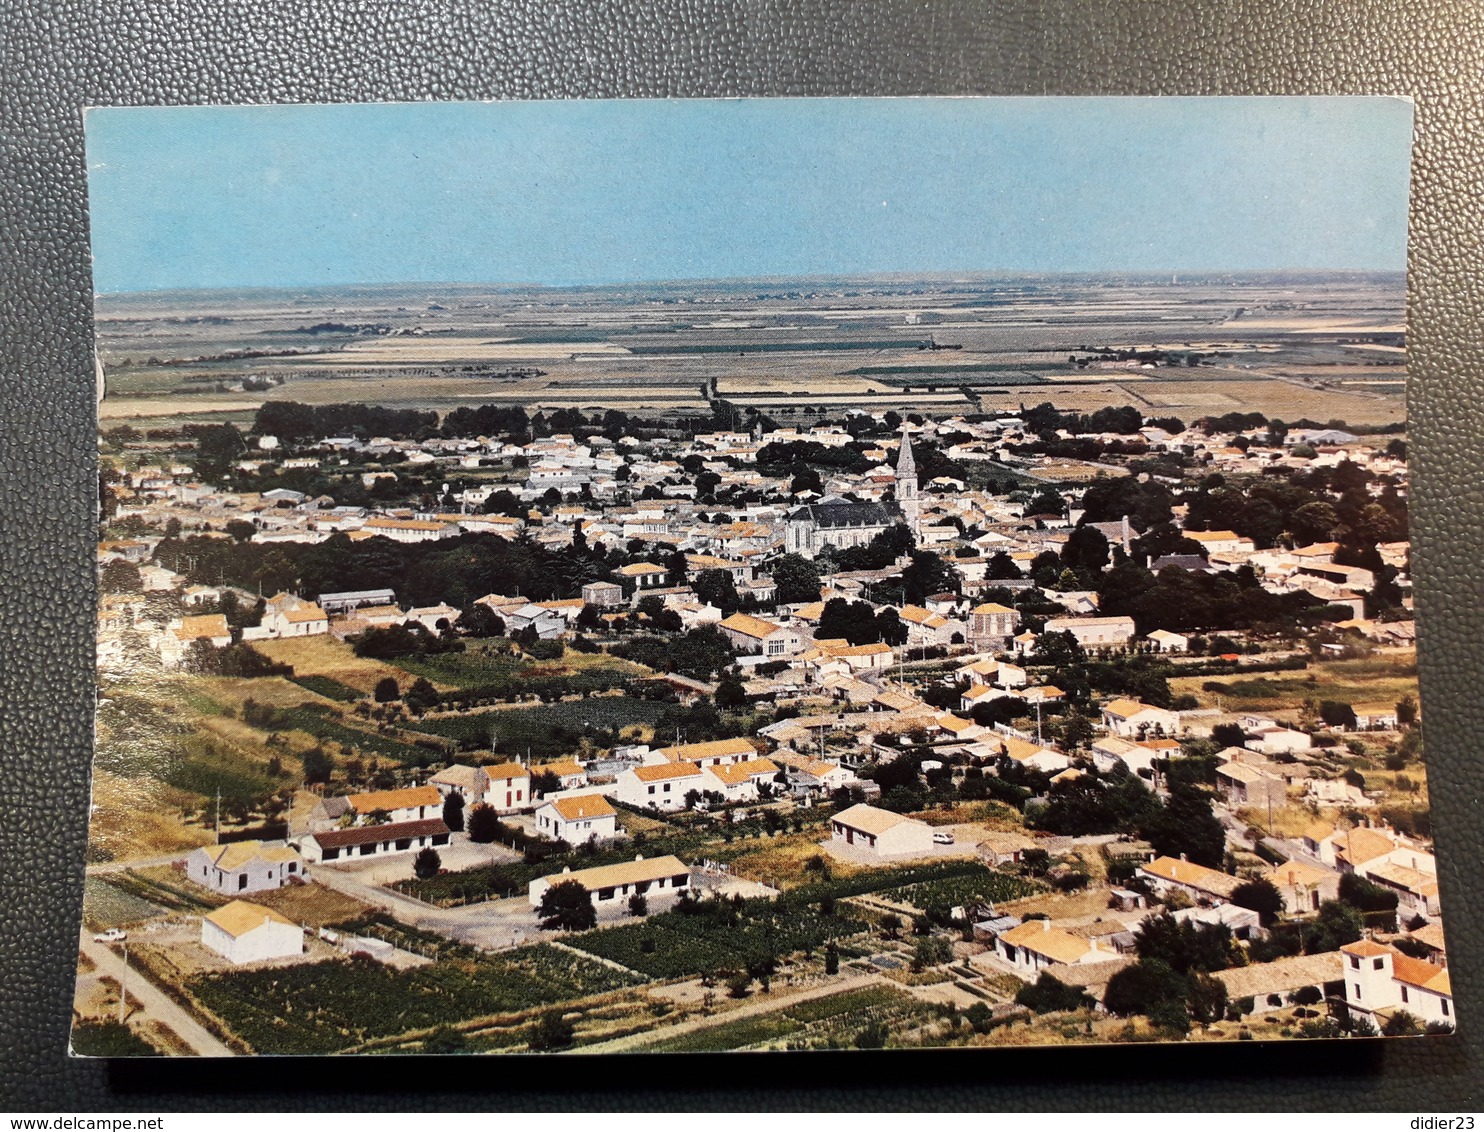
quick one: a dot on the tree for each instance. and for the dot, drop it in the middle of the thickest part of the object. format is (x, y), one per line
(317, 766)
(1085, 552)
(831, 959)
(715, 587)
(120, 576)
(730, 693)
(453, 811)
(427, 863)
(638, 904)
(386, 690)
(551, 1031)
(929, 951)
(479, 620)
(797, 579)
(1406, 711)
(1337, 713)
(484, 824)
(422, 695)
(1145, 988)
(1260, 896)
(567, 906)
(1049, 994)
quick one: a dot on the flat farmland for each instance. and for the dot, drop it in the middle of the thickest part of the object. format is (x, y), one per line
(794, 346)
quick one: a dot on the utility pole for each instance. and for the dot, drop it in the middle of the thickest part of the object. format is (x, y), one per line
(217, 825)
(1038, 721)
(123, 981)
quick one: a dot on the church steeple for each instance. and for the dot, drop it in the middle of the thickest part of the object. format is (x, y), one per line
(907, 483)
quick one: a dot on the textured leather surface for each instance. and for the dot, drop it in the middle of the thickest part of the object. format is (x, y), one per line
(57, 57)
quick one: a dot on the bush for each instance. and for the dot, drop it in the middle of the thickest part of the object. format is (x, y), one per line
(427, 863)
(1048, 994)
(551, 1031)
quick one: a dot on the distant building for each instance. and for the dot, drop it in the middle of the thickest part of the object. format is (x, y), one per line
(244, 866)
(991, 625)
(834, 522)
(612, 885)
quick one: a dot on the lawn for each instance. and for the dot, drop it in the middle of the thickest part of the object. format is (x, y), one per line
(318, 1008)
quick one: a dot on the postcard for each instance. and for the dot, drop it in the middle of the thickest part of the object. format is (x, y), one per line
(663, 576)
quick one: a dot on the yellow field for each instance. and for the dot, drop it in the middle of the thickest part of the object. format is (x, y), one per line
(1378, 680)
(325, 656)
(139, 818)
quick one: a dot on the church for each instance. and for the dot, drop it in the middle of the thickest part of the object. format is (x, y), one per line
(838, 523)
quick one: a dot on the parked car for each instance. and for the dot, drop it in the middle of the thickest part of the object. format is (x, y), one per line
(112, 935)
(943, 837)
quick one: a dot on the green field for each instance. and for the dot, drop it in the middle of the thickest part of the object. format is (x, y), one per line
(829, 1022)
(950, 892)
(318, 1008)
(105, 905)
(716, 937)
(552, 729)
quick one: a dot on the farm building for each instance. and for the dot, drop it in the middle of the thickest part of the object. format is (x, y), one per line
(607, 884)
(247, 933)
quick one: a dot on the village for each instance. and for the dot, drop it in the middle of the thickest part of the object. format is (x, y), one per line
(505, 732)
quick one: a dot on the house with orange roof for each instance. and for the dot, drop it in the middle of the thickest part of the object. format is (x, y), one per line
(611, 886)
(991, 625)
(739, 782)
(1203, 885)
(1303, 886)
(663, 786)
(570, 773)
(413, 803)
(249, 933)
(1036, 944)
(1381, 981)
(1132, 719)
(507, 787)
(576, 819)
(750, 634)
(714, 752)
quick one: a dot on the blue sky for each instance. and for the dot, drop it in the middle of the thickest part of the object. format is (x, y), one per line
(616, 191)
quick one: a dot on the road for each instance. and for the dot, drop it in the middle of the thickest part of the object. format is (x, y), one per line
(760, 1004)
(153, 1001)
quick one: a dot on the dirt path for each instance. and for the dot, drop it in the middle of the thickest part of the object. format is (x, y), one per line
(760, 1004)
(153, 1001)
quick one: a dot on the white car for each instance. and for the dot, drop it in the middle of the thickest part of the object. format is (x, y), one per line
(112, 935)
(943, 837)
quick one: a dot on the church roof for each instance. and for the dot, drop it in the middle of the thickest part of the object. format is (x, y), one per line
(844, 514)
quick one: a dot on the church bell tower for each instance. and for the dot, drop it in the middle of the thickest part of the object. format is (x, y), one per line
(907, 484)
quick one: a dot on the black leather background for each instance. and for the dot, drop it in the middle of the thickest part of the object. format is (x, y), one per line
(57, 57)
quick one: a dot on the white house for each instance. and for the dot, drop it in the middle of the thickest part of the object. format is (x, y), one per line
(1380, 981)
(881, 832)
(716, 752)
(739, 782)
(755, 635)
(1131, 719)
(507, 787)
(664, 786)
(244, 866)
(577, 818)
(1166, 641)
(1094, 632)
(1035, 945)
(612, 885)
(413, 803)
(248, 933)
